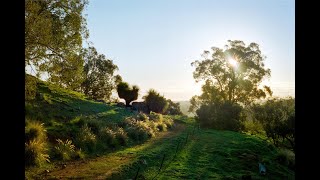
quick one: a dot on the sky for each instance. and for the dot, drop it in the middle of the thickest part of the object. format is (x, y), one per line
(154, 42)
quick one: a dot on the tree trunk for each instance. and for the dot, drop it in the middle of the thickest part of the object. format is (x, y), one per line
(127, 103)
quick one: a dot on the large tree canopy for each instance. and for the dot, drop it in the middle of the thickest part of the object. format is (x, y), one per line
(54, 30)
(232, 74)
(99, 75)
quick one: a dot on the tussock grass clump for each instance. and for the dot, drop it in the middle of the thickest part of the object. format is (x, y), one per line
(155, 117)
(86, 139)
(140, 130)
(36, 144)
(121, 136)
(36, 153)
(64, 150)
(162, 127)
(108, 137)
(168, 122)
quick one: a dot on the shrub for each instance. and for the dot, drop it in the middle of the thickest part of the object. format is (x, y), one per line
(286, 157)
(278, 119)
(222, 116)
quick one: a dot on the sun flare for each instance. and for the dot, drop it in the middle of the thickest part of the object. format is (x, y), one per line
(233, 62)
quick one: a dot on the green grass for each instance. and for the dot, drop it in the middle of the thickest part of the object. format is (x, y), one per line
(190, 153)
(208, 154)
(61, 105)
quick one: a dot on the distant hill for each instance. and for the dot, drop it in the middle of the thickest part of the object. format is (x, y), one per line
(184, 106)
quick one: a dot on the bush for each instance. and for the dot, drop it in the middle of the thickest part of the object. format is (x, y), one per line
(221, 116)
(286, 157)
(36, 144)
(64, 150)
(278, 119)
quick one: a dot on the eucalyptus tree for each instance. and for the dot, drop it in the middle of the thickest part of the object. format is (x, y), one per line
(231, 76)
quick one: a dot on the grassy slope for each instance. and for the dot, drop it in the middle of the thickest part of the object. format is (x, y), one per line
(207, 154)
(56, 107)
(63, 105)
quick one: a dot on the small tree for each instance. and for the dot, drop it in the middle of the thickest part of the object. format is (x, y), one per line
(127, 93)
(278, 119)
(155, 102)
(173, 108)
(99, 78)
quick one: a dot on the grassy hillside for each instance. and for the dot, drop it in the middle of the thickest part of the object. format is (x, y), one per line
(57, 115)
(137, 145)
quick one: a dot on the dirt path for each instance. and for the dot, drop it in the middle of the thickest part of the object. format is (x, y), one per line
(102, 167)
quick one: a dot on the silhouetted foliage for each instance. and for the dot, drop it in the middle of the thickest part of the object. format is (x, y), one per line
(278, 119)
(225, 116)
(173, 108)
(99, 75)
(155, 102)
(127, 93)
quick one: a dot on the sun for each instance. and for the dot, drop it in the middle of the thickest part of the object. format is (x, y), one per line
(233, 62)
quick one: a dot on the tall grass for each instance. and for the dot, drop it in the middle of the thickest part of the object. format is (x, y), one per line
(35, 144)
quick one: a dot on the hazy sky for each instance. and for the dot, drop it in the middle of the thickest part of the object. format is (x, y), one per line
(153, 42)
